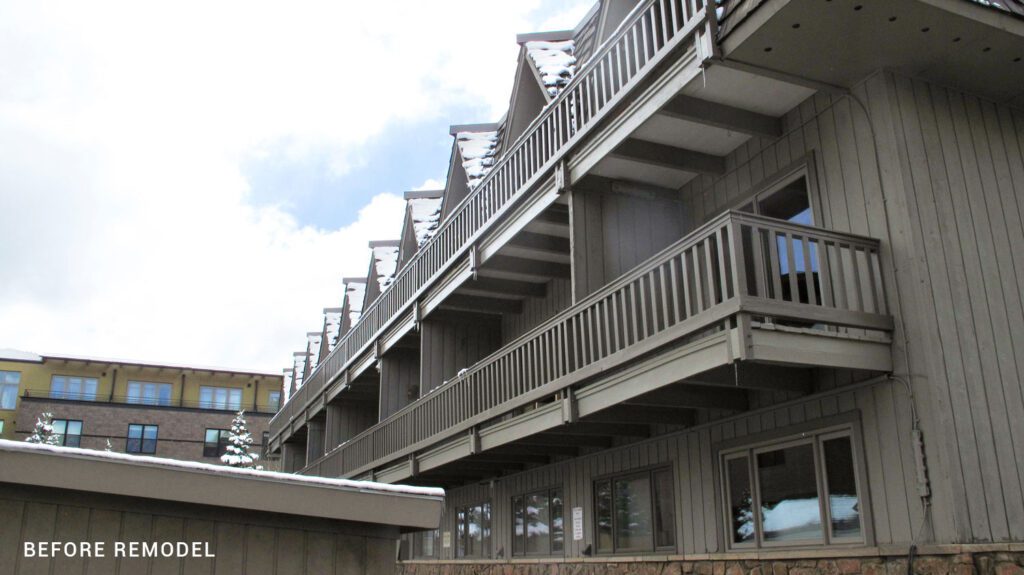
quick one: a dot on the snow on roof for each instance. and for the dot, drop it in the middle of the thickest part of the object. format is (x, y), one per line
(426, 216)
(355, 293)
(313, 348)
(555, 62)
(477, 150)
(385, 262)
(287, 373)
(332, 325)
(222, 469)
(18, 355)
(299, 359)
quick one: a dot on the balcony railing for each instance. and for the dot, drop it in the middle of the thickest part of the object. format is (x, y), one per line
(146, 402)
(654, 29)
(736, 264)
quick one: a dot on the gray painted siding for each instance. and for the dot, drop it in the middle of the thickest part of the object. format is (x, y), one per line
(614, 231)
(448, 346)
(347, 419)
(537, 309)
(692, 455)
(399, 380)
(962, 172)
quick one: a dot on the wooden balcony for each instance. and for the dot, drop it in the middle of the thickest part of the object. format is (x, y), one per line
(741, 288)
(653, 31)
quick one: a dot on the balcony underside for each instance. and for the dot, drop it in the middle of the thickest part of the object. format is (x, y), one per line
(672, 387)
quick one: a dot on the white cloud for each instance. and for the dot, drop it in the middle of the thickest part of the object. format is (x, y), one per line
(124, 215)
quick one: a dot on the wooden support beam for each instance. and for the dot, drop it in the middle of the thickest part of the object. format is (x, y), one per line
(491, 457)
(540, 242)
(601, 430)
(528, 267)
(719, 115)
(654, 154)
(763, 376)
(695, 397)
(482, 304)
(504, 287)
(481, 467)
(644, 414)
(544, 439)
(513, 449)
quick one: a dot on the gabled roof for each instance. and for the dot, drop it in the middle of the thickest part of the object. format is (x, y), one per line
(332, 329)
(313, 339)
(352, 307)
(298, 370)
(383, 264)
(473, 150)
(286, 383)
(422, 220)
(526, 101)
(554, 61)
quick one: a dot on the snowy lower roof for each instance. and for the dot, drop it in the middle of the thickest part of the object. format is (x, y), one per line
(477, 150)
(18, 355)
(555, 61)
(385, 262)
(426, 217)
(205, 483)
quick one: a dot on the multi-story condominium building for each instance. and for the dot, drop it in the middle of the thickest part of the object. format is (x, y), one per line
(174, 411)
(736, 285)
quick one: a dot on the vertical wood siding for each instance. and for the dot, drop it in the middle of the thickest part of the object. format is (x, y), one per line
(537, 309)
(448, 346)
(399, 379)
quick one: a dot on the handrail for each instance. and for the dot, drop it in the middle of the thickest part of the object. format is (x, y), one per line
(144, 401)
(652, 30)
(736, 263)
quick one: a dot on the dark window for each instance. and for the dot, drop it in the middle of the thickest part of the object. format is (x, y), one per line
(803, 492)
(473, 530)
(635, 512)
(141, 438)
(69, 432)
(216, 442)
(424, 544)
(537, 523)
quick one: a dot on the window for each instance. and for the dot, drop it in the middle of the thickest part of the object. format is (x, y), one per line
(216, 443)
(70, 387)
(635, 512)
(1, 426)
(141, 438)
(226, 398)
(274, 400)
(537, 523)
(68, 432)
(9, 381)
(473, 530)
(149, 393)
(799, 492)
(424, 544)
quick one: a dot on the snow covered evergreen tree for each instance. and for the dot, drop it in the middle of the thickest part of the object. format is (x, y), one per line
(239, 441)
(43, 432)
(109, 447)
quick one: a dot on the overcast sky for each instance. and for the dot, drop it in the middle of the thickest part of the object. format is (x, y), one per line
(189, 182)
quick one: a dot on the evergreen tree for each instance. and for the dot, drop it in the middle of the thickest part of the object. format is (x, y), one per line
(43, 433)
(109, 447)
(239, 442)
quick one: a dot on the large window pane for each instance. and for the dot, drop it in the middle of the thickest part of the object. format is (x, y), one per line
(741, 504)
(518, 526)
(460, 532)
(603, 505)
(664, 510)
(537, 522)
(58, 387)
(844, 504)
(633, 529)
(790, 509)
(557, 522)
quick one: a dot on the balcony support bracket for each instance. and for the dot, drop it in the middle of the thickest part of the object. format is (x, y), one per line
(570, 410)
(474, 441)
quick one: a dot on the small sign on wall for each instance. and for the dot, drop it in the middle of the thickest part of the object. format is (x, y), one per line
(446, 539)
(577, 523)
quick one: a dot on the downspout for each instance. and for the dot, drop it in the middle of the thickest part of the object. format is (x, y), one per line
(113, 385)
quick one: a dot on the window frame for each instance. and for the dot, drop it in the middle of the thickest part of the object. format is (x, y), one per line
(416, 544)
(4, 384)
(274, 400)
(64, 436)
(142, 438)
(802, 167)
(213, 403)
(486, 543)
(548, 493)
(649, 472)
(80, 396)
(142, 399)
(814, 434)
(223, 440)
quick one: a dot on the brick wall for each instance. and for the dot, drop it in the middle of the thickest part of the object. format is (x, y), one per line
(967, 563)
(180, 435)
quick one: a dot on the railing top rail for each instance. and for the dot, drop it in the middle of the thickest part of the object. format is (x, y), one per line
(317, 378)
